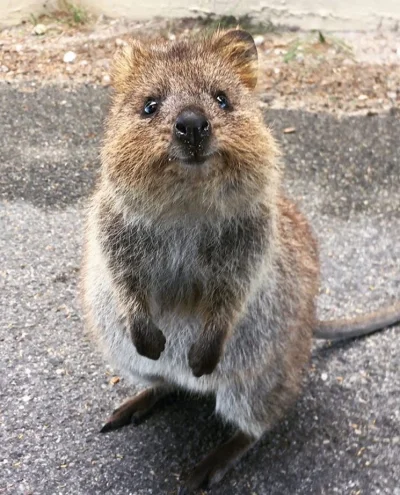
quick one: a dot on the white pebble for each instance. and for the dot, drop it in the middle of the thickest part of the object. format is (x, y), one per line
(324, 377)
(69, 57)
(39, 29)
(120, 42)
(259, 40)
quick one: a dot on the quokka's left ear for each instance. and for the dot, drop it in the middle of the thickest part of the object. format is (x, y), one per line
(239, 49)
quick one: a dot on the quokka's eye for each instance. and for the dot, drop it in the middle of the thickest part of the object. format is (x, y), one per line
(150, 106)
(222, 100)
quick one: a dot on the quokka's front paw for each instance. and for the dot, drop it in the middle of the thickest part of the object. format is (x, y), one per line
(147, 338)
(204, 357)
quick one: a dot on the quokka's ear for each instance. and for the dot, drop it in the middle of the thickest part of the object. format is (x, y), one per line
(126, 62)
(239, 49)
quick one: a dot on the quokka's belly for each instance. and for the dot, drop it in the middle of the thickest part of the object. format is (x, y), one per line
(117, 345)
(181, 329)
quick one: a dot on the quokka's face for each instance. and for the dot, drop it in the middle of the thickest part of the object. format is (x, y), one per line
(184, 112)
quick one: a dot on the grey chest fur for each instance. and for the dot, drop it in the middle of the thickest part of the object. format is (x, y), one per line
(176, 265)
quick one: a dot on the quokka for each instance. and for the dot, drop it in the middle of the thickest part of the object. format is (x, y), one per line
(199, 273)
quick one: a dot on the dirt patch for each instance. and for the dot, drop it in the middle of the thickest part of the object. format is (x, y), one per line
(337, 72)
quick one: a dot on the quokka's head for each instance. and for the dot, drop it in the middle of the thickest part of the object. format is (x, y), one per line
(184, 131)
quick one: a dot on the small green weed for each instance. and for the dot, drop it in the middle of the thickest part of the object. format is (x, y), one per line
(316, 45)
(34, 20)
(71, 13)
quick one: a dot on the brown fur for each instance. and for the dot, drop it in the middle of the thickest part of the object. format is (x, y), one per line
(208, 269)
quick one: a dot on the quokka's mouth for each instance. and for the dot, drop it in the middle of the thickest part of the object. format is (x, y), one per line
(192, 160)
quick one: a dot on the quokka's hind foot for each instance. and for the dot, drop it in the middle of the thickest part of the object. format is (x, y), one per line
(135, 409)
(215, 465)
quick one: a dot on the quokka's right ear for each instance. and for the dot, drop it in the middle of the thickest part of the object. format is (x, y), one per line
(126, 62)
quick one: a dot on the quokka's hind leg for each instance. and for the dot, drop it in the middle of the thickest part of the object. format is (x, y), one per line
(254, 407)
(135, 409)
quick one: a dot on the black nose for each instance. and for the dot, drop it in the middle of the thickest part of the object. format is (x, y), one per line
(192, 128)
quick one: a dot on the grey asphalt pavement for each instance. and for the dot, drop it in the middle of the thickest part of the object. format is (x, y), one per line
(342, 437)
